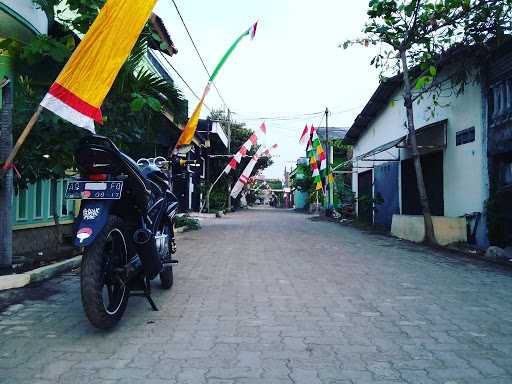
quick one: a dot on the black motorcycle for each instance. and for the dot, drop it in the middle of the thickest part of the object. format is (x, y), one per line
(125, 226)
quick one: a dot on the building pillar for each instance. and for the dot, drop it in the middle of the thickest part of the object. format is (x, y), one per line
(6, 182)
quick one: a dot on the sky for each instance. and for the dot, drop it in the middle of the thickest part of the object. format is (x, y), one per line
(293, 69)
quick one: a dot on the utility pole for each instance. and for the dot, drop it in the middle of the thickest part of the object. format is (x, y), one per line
(229, 153)
(208, 145)
(328, 156)
(6, 182)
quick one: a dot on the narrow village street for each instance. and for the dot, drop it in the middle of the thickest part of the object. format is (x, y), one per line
(270, 296)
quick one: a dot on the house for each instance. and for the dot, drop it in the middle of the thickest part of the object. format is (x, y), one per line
(498, 94)
(299, 183)
(452, 140)
(39, 208)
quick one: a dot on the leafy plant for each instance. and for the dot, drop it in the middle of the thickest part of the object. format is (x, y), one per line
(186, 221)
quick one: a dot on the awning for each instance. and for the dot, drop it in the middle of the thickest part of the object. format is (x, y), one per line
(430, 138)
(380, 149)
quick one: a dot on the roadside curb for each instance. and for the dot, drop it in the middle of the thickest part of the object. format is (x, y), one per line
(39, 274)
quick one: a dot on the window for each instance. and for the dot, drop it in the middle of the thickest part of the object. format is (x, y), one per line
(21, 209)
(465, 136)
(38, 197)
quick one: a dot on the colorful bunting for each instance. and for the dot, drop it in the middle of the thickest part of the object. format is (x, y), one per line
(317, 180)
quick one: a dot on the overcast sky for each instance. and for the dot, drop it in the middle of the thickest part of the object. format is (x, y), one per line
(293, 68)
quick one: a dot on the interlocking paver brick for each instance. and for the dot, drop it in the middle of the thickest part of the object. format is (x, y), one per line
(269, 296)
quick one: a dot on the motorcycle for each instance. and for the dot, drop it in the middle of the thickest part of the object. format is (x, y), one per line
(125, 226)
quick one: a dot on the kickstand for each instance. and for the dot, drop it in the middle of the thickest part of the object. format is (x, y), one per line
(147, 293)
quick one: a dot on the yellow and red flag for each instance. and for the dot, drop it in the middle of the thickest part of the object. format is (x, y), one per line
(87, 77)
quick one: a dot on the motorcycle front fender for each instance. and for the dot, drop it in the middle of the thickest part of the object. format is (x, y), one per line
(91, 220)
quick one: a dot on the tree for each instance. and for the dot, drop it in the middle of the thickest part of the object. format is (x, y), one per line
(417, 37)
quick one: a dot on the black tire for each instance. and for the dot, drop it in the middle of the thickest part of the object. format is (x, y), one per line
(167, 276)
(97, 261)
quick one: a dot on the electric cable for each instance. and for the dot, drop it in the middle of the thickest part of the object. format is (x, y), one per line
(198, 54)
(182, 79)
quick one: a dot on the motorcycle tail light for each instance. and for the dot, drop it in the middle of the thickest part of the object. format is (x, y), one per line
(98, 177)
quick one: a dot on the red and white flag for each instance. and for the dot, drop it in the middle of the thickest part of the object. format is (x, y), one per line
(245, 148)
(246, 174)
(304, 135)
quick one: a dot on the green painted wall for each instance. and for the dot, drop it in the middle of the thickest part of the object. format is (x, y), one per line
(33, 206)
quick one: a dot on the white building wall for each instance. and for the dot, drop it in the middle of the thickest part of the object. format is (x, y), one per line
(465, 169)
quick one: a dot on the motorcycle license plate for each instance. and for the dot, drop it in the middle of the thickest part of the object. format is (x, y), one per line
(95, 190)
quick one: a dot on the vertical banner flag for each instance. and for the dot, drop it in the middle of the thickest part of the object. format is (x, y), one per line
(190, 128)
(245, 148)
(246, 174)
(317, 180)
(79, 90)
(304, 135)
(317, 145)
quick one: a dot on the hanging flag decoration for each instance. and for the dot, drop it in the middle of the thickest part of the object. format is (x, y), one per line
(304, 135)
(246, 174)
(317, 146)
(245, 148)
(317, 180)
(190, 128)
(79, 90)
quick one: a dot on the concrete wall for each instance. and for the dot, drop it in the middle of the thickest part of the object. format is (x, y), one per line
(300, 199)
(28, 242)
(465, 166)
(448, 230)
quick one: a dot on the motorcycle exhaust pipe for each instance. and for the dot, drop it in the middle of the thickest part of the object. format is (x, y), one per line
(145, 246)
(134, 268)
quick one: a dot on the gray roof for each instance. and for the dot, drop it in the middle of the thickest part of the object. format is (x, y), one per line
(334, 133)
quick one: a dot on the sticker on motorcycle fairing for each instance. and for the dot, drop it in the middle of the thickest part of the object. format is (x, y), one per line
(84, 233)
(86, 194)
(91, 213)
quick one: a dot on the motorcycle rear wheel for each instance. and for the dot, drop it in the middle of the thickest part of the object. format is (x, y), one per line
(104, 297)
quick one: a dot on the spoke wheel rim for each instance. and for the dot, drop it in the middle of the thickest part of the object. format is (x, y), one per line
(116, 255)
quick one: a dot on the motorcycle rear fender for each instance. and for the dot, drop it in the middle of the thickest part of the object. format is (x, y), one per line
(91, 220)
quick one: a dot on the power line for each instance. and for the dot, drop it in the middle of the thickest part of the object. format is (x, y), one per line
(182, 79)
(280, 118)
(198, 54)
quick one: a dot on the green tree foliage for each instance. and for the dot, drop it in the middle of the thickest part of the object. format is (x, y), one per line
(130, 110)
(427, 31)
(239, 135)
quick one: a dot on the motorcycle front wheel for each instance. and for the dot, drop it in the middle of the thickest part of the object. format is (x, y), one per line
(167, 275)
(104, 297)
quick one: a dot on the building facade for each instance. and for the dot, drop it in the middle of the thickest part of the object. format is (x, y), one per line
(452, 139)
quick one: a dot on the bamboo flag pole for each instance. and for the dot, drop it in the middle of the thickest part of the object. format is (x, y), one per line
(33, 120)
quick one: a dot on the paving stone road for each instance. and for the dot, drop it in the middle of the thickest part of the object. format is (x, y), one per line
(269, 296)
